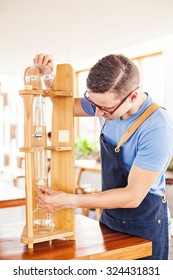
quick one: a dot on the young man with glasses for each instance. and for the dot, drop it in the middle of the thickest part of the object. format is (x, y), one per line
(136, 146)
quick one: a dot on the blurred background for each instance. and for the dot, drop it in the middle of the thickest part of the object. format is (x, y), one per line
(78, 32)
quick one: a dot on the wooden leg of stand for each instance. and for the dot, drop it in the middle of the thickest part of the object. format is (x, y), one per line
(72, 237)
(98, 213)
(85, 212)
(30, 245)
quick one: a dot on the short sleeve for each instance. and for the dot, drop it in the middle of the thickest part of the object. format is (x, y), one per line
(88, 107)
(155, 149)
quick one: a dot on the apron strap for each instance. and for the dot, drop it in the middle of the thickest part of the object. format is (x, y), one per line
(151, 109)
(102, 124)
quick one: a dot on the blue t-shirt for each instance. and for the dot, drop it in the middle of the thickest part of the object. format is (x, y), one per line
(150, 147)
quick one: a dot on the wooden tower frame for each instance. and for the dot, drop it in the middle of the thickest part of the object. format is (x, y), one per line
(62, 153)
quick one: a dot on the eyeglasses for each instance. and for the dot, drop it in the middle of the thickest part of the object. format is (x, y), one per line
(104, 110)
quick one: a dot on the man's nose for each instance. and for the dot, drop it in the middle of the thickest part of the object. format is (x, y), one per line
(98, 112)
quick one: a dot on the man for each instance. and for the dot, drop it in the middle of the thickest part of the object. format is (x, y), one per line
(134, 158)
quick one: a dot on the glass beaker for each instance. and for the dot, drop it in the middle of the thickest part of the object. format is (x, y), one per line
(39, 76)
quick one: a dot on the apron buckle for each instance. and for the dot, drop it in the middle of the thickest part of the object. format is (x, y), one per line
(117, 149)
(164, 200)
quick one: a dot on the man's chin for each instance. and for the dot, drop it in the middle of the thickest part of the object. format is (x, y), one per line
(110, 118)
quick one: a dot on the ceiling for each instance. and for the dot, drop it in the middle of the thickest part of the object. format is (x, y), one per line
(76, 30)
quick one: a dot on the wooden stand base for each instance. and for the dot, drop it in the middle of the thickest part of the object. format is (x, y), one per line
(37, 237)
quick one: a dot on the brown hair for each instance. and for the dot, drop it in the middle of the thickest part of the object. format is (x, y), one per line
(114, 73)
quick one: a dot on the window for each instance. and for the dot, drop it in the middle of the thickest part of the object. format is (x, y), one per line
(151, 69)
(11, 112)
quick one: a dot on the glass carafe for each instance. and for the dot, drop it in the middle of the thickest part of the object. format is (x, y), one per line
(43, 222)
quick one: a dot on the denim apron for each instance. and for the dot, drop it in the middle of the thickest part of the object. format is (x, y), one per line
(149, 220)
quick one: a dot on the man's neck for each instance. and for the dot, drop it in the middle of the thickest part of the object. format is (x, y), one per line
(141, 99)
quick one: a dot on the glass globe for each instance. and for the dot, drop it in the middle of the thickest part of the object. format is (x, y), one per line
(39, 76)
(43, 222)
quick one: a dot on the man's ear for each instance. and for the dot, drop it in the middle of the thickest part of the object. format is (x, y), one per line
(134, 96)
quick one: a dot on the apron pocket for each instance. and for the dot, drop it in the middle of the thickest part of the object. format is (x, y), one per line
(155, 231)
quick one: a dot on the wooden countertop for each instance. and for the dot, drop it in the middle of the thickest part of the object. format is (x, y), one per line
(93, 242)
(11, 196)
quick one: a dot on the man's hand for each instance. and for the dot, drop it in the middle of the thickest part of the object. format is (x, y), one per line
(44, 59)
(52, 201)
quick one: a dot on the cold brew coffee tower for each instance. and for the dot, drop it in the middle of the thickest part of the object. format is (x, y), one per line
(39, 85)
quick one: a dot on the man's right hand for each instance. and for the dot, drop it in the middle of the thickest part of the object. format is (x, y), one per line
(44, 59)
